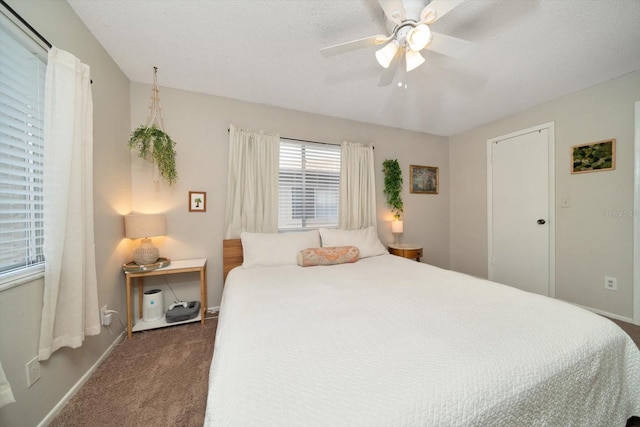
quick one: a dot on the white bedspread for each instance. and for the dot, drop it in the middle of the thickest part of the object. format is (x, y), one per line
(392, 342)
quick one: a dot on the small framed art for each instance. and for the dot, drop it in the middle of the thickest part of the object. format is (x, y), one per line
(593, 157)
(423, 179)
(197, 201)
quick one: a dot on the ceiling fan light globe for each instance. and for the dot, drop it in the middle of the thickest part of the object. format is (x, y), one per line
(419, 37)
(414, 60)
(387, 53)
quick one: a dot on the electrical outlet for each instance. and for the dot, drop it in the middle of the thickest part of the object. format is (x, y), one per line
(33, 371)
(103, 313)
(611, 283)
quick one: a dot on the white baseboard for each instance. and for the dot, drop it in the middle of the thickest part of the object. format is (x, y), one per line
(213, 309)
(606, 314)
(56, 409)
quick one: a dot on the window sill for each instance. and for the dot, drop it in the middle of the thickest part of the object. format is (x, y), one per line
(20, 277)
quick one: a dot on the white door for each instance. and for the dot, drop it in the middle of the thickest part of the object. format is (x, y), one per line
(520, 212)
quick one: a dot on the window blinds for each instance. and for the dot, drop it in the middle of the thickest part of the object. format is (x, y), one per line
(309, 185)
(22, 77)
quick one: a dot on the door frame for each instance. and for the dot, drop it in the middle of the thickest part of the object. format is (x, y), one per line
(551, 143)
(636, 217)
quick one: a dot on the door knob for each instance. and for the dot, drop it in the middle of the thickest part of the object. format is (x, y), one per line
(542, 221)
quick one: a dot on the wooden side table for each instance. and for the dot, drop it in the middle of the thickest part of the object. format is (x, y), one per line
(406, 250)
(176, 267)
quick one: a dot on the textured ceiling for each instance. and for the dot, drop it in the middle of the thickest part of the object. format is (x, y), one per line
(267, 51)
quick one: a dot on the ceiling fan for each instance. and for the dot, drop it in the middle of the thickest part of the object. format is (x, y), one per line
(408, 24)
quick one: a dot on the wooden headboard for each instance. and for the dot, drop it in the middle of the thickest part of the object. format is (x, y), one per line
(231, 255)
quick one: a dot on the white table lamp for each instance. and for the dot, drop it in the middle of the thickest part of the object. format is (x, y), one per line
(144, 226)
(397, 228)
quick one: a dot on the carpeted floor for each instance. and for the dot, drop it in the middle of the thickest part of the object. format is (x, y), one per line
(160, 378)
(632, 330)
(157, 378)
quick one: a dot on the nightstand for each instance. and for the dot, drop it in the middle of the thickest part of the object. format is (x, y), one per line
(176, 267)
(406, 250)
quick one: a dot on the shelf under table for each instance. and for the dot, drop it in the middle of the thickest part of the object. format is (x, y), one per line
(141, 325)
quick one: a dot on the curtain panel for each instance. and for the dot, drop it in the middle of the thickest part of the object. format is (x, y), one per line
(70, 307)
(357, 187)
(6, 395)
(252, 184)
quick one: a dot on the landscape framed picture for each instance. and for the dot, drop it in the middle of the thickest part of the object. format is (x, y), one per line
(593, 157)
(197, 201)
(424, 179)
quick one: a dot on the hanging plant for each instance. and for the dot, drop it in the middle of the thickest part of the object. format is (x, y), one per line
(153, 142)
(393, 186)
(158, 145)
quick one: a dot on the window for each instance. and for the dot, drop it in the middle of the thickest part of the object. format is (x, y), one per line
(309, 185)
(22, 78)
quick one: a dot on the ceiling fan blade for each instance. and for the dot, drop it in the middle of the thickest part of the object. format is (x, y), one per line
(451, 46)
(393, 9)
(440, 7)
(352, 45)
(389, 73)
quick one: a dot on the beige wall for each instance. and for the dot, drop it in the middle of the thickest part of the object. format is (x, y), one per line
(20, 307)
(594, 238)
(199, 124)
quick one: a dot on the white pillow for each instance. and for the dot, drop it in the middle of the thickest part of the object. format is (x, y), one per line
(366, 240)
(270, 249)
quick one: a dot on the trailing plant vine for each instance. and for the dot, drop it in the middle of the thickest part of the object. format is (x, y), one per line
(150, 140)
(393, 186)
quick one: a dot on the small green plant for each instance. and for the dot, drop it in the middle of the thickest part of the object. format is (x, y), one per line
(393, 186)
(152, 140)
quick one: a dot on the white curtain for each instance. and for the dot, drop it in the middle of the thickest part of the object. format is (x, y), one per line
(252, 185)
(70, 306)
(357, 187)
(6, 395)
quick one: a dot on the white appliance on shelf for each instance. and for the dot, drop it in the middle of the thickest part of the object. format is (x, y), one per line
(152, 305)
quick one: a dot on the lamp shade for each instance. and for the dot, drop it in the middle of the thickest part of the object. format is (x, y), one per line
(387, 53)
(397, 227)
(419, 37)
(140, 225)
(414, 60)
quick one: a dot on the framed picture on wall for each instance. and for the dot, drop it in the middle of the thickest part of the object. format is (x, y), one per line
(423, 179)
(197, 201)
(594, 157)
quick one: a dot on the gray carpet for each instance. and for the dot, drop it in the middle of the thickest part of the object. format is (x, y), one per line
(157, 378)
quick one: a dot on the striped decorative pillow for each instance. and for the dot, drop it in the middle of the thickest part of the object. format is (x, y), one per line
(328, 255)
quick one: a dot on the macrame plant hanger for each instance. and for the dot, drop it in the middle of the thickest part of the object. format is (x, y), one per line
(154, 116)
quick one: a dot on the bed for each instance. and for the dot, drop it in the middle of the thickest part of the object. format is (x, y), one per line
(387, 341)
